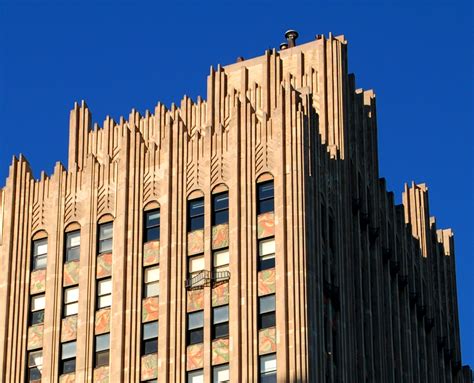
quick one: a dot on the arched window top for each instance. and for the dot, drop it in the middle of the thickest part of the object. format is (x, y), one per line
(105, 218)
(40, 234)
(73, 226)
(265, 177)
(220, 189)
(195, 194)
(152, 205)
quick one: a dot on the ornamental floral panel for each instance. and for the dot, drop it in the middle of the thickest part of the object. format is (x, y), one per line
(220, 236)
(266, 225)
(37, 281)
(196, 242)
(149, 367)
(194, 356)
(102, 321)
(195, 300)
(267, 341)
(104, 265)
(68, 378)
(69, 328)
(220, 294)
(101, 374)
(151, 253)
(220, 351)
(266, 282)
(150, 309)
(35, 337)
(71, 273)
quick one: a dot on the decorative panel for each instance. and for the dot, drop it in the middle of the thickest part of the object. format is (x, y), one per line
(267, 341)
(35, 337)
(150, 309)
(104, 265)
(69, 328)
(196, 242)
(195, 356)
(220, 351)
(151, 253)
(195, 300)
(220, 294)
(71, 273)
(220, 236)
(68, 378)
(102, 321)
(149, 367)
(266, 225)
(101, 374)
(37, 281)
(266, 282)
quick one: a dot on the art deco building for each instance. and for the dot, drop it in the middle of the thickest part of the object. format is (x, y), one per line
(247, 237)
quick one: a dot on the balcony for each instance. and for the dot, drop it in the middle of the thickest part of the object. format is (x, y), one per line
(206, 278)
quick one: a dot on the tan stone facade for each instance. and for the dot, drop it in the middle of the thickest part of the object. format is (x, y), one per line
(364, 289)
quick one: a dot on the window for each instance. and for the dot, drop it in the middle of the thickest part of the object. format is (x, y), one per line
(37, 304)
(220, 208)
(68, 358)
(104, 293)
(220, 374)
(195, 327)
(151, 279)
(105, 237)
(268, 368)
(196, 376)
(152, 225)
(265, 195)
(73, 246)
(220, 322)
(196, 214)
(150, 338)
(71, 296)
(35, 365)
(195, 265)
(221, 262)
(266, 311)
(266, 254)
(40, 254)
(102, 346)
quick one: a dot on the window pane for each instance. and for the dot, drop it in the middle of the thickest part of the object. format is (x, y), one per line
(265, 206)
(102, 342)
(268, 363)
(105, 231)
(35, 358)
(220, 374)
(220, 217)
(150, 330)
(39, 262)
(196, 264)
(105, 301)
(195, 376)
(221, 258)
(196, 320)
(73, 254)
(37, 302)
(37, 317)
(196, 207)
(220, 314)
(71, 295)
(266, 320)
(220, 330)
(221, 201)
(150, 346)
(265, 190)
(105, 286)
(196, 223)
(34, 374)
(68, 366)
(152, 289)
(152, 234)
(105, 245)
(196, 336)
(102, 358)
(68, 350)
(266, 262)
(267, 247)
(71, 309)
(73, 239)
(152, 218)
(267, 303)
(40, 247)
(152, 274)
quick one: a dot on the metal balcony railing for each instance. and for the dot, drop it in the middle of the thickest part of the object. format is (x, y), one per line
(206, 278)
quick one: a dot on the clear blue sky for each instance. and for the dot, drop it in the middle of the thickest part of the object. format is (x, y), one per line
(118, 55)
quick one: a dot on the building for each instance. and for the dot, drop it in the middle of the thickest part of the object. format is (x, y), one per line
(244, 238)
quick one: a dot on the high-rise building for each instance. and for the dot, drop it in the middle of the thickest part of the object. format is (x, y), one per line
(244, 238)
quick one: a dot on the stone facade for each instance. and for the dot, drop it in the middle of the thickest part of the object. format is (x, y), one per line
(365, 288)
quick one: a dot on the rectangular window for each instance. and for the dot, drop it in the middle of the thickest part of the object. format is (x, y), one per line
(151, 279)
(266, 311)
(104, 293)
(35, 365)
(68, 358)
(220, 322)
(152, 225)
(195, 265)
(37, 304)
(73, 246)
(266, 254)
(220, 208)
(268, 368)
(106, 231)
(220, 374)
(71, 297)
(102, 348)
(265, 197)
(196, 376)
(150, 338)
(220, 263)
(196, 214)
(195, 327)
(40, 254)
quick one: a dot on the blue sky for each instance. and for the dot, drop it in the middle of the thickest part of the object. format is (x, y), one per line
(119, 55)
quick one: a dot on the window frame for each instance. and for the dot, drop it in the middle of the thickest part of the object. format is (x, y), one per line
(268, 315)
(264, 375)
(37, 367)
(218, 368)
(220, 216)
(150, 284)
(67, 304)
(270, 259)
(263, 200)
(195, 217)
(99, 295)
(35, 256)
(63, 361)
(199, 330)
(99, 353)
(150, 340)
(221, 324)
(67, 248)
(101, 240)
(147, 237)
(194, 374)
(32, 320)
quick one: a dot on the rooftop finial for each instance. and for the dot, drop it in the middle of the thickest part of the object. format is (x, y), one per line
(291, 35)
